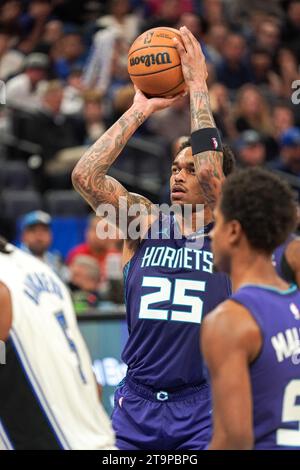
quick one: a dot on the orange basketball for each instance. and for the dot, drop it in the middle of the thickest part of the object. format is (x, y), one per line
(154, 64)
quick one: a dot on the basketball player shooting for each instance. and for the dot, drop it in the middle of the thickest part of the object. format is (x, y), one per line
(164, 401)
(251, 341)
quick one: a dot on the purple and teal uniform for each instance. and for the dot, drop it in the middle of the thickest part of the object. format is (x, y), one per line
(164, 401)
(275, 373)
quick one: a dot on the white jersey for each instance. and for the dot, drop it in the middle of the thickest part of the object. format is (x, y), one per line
(48, 393)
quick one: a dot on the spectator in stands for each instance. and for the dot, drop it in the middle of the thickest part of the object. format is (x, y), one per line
(283, 118)
(11, 60)
(165, 12)
(123, 99)
(263, 75)
(52, 34)
(84, 282)
(179, 6)
(10, 17)
(121, 19)
(289, 159)
(291, 28)
(221, 108)
(251, 149)
(288, 69)
(234, 71)
(194, 24)
(72, 103)
(106, 68)
(94, 246)
(49, 128)
(252, 110)
(71, 54)
(23, 91)
(36, 239)
(94, 124)
(33, 23)
(172, 122)
(215, 40)
(268, 36)
(53, 31)
(213, 11)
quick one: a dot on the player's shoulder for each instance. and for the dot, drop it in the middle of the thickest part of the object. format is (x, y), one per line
(20, 260)
(230, 324)
(224, 316)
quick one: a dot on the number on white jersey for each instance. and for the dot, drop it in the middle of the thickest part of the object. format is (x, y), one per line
(64, 326)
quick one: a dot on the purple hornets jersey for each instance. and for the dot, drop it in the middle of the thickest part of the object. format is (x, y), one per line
(169, 286)
(275, 373)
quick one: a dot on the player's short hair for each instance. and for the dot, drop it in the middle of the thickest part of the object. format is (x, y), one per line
(229, 161)
(263, 204)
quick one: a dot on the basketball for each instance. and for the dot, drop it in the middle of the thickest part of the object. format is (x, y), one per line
(154, 64)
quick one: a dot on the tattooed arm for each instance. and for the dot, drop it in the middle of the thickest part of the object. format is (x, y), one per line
(208, 165)
(90, 177)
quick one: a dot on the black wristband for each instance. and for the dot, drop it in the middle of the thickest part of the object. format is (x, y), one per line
(204, 140)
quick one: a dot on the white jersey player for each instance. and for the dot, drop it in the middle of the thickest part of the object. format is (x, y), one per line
(48, 393)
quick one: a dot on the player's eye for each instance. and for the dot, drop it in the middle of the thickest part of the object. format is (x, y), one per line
(174, 170)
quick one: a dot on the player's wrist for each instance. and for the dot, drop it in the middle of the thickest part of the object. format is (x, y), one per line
(142, 109)
(198, 86)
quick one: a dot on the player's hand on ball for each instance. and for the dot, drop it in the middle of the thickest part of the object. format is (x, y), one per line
(192, 59)
(151, 105)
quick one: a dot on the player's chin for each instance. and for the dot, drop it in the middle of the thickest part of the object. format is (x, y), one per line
(178, 198)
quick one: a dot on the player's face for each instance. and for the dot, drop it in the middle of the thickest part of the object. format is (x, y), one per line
(220, 236)
(184, 184)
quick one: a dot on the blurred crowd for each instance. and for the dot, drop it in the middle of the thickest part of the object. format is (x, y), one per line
(63, 67)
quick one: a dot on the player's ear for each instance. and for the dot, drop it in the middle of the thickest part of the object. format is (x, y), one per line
(234, 232)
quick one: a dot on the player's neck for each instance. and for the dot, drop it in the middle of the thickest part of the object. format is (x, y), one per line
(252, 267)
(194, 223)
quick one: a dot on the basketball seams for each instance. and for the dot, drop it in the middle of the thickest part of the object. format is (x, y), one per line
(168, 91)
(150, 46)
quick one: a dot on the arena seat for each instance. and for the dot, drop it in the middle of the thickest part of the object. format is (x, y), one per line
(15, 175)
(65, 203)
(16, 203)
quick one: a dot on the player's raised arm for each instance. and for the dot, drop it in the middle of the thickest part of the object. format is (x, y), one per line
(230, 340)
(207, 149)
(90, 177)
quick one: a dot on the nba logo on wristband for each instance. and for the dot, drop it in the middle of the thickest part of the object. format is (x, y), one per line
(214, 142)
(206, 140)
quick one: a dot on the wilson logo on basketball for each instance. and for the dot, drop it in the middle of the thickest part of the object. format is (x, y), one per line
(161, 58)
